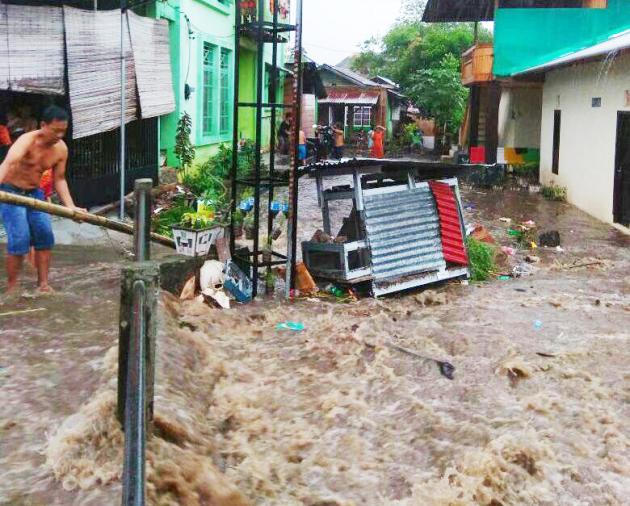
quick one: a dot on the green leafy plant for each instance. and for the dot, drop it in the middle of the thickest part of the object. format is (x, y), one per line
(196, 221)
(247, 193)
(481, 259)
(163, 222)
(553, 192)
(238, 218)
(248, 221)
(184, 149)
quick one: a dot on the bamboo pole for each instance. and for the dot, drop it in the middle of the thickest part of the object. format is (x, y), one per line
(65, 212)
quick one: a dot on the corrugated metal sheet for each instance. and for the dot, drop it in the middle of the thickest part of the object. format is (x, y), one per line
(150, 43)
(351, 97)
(458, 10)
(93, 52)
(450, 223)
(349, 75)
(403, 232)
(4, 49)
(36, 49)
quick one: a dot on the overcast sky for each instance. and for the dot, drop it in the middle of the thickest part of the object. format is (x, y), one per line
(334, 29)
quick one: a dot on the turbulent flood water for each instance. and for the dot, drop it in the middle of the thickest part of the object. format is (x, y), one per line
(249, 415)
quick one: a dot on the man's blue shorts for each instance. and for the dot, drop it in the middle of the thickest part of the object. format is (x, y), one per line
(302, 152)
(26, 227)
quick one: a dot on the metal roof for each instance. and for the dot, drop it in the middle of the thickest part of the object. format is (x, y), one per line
(403, 231)
(424, 170)
(350, 97)
(438, 11)
(384, 80)
(611, 46)
(350, 75)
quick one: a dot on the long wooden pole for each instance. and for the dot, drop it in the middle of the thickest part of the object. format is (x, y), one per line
(65, 212)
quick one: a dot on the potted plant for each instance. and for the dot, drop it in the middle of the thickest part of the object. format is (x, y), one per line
(247, 200)
(194, 234)
(270, 282)
(280, 224)
(248, 225)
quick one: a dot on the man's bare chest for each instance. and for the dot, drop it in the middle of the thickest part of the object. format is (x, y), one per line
(40, 159)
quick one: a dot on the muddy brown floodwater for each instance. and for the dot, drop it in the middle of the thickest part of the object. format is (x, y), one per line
(247, 414)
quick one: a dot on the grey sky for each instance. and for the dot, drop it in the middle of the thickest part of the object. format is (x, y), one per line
(334, 29)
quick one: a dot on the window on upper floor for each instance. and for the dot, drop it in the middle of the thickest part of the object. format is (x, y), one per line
(224, 72)
(541, 4)
(216, 109)
(209, 87)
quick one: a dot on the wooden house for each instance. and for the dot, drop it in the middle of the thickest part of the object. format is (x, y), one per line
(358, 103)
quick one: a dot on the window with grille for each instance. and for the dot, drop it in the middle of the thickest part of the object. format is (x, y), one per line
(209, 78)
(362, 116)
(224, 68)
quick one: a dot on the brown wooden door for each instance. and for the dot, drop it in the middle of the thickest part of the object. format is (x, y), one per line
(621, 203)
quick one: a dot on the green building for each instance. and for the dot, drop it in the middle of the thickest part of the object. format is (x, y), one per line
(202, 56)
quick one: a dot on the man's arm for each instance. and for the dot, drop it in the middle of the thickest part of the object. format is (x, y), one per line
(59, 177)
(12, 161)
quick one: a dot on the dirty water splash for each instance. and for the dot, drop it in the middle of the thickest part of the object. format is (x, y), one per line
(246, 414)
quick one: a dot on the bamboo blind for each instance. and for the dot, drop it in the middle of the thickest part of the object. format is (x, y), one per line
(93, 54)
(4, 49)
(150, 43)
(36, 49)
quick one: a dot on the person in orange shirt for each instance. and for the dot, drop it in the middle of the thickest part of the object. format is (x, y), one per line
(5, 136)
(378, 143)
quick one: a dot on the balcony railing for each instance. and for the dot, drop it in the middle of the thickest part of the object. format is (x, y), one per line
(477, 64)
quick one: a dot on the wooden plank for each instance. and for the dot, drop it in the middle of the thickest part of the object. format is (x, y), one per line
(65, 212)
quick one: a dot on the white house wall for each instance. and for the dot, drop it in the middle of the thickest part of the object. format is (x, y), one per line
(587, 134)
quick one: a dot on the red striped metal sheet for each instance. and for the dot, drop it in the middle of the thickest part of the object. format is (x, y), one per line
(450, 224)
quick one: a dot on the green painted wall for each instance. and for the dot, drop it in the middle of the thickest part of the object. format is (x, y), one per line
(191, 24)
(524, 38)
(247, 93)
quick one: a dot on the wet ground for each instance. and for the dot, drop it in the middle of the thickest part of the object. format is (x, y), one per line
(247, 414)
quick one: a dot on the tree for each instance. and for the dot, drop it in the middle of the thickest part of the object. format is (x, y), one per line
(184, 149)
(418, 56)
(439, 91)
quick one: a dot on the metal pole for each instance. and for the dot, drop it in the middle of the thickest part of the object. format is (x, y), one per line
(272, 144)
(135, 412)
(142, 228)
(233, 171)
(122, 161)
(293, 172)
(259, 90)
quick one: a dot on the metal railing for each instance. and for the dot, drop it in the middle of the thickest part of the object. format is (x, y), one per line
(135, 412)
(136, 350)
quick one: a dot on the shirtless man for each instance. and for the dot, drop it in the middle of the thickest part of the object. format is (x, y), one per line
(20, 173)
(338, 135)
